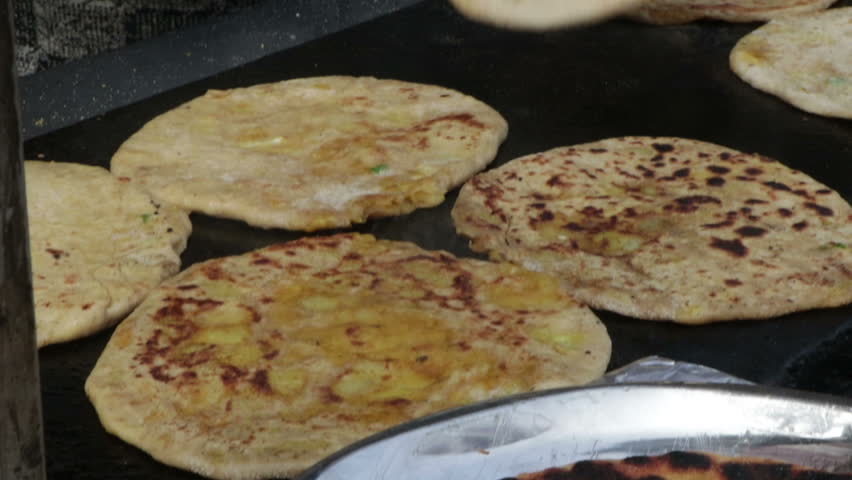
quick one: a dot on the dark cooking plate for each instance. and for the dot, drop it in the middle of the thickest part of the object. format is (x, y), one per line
(556, 88)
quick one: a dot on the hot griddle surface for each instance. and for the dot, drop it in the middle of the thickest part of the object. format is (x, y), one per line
(555, 89)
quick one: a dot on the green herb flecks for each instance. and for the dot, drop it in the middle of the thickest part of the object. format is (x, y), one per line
(838, 245)
(378, 169)
(145, 217)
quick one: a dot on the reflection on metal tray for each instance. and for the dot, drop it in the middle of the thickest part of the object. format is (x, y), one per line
(531, 432)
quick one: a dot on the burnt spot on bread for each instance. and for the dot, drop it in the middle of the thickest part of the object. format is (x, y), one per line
(646, 172)
(663, 147)
(733, 247)
(597, 150)
(823, 191)
(733, 282)
(259, 260)
(750, 231)
(777, 186)
(260, 382)
(159, 373)
(819, 209)
(464, 118)
(718, 169)
(688, 461)
(231, 375)
(556, 180)
(715, 181)
(725, 223)
(681, 173)
(785, 212)
(753, 171)
(56, 253)
(691, 203)
(543, 216)
(592, 211)
(213, 271)
(755, 201)
(766, 471)
(725, 155)
(799, 226)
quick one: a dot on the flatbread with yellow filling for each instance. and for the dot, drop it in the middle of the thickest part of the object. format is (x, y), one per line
(313, 153)
(261, 364)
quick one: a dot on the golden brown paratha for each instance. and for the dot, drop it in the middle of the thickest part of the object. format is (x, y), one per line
(666, 228)
(679, 465)
(97, 244)
(261, 364)
(683, 11)
(313, 153)
(542, 14)
(806, 60)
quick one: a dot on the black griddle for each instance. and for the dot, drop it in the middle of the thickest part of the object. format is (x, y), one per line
(555, 88)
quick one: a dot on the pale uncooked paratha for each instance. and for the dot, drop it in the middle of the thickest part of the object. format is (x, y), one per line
(666, 228)
(542, 14)
(97, 244)
(260, 365)
(683, 11)
(313, 153)
(806, 60)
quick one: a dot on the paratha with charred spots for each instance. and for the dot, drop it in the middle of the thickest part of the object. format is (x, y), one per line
(805, 60)
(313, 153)
(666, 228)
(683, 11)
(98, 245)
(679, 465)
(542, 14)
(260, 365)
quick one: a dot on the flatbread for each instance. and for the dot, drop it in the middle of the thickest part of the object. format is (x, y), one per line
(542, 14)
(313, 153)
(260, 365)
(806, 60)
(666, 228)
(97, 245)
(680, 465)
(664, 12)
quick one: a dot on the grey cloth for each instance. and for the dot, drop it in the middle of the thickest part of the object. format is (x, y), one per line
(50, 32)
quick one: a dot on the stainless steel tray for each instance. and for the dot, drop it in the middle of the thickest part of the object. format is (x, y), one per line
(503, 438)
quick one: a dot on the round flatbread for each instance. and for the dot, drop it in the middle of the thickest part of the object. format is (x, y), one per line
(542, 14)
(98, 246)
(260, 365)
(667, 228)
(313, 153)
(664, 12)
(806, 60)
(680, 465)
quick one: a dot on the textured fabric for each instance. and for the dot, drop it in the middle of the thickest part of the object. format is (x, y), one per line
(50, 32)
